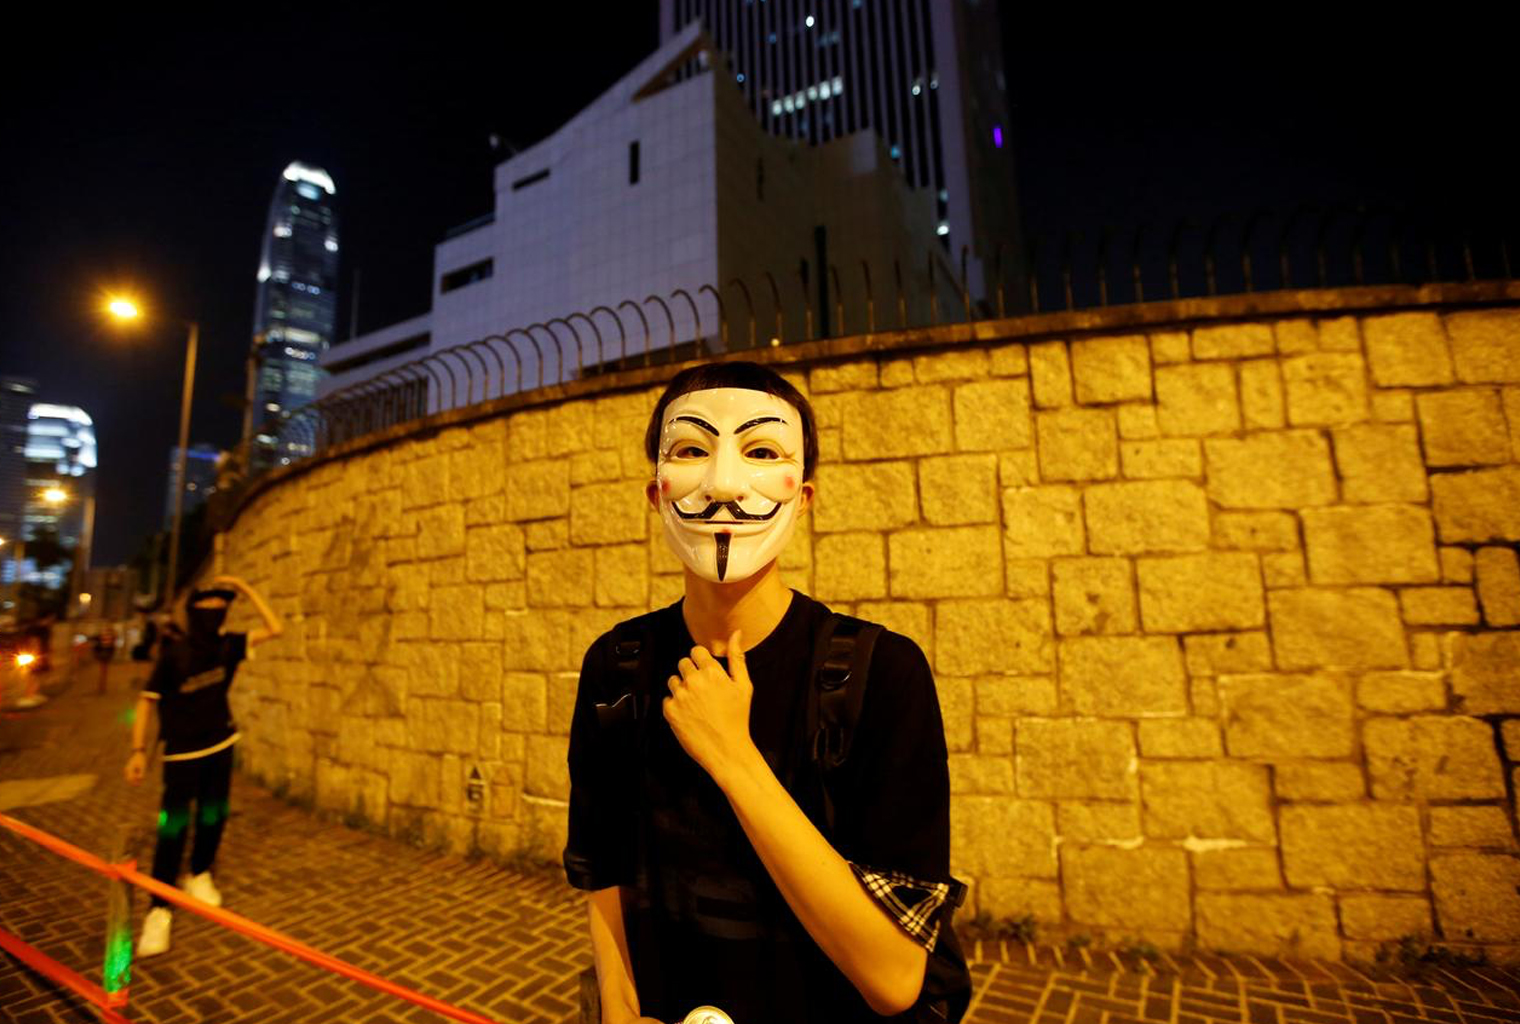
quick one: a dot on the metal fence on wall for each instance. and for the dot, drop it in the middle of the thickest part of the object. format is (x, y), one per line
(1234, 254)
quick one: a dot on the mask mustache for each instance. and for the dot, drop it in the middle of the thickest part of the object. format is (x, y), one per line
(733, 509)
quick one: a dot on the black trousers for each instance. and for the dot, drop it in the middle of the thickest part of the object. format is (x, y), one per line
(204, 782)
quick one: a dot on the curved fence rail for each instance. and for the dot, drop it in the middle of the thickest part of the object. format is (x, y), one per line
(1261, 251)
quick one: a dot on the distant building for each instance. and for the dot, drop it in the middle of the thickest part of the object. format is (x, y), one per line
(925, 75)
(60, 456)
(296, 309)
(200, 479)
(664, 182)
(16, 397)
(107, 592)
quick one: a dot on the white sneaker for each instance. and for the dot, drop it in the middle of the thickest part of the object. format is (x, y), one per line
(155, 932)
(202, 888)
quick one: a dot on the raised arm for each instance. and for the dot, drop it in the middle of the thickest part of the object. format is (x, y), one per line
(273, 626)
(709, 712)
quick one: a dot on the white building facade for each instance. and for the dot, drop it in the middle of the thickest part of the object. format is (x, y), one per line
(663, 185)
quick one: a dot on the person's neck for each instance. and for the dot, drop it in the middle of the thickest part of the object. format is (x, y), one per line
(754, 606)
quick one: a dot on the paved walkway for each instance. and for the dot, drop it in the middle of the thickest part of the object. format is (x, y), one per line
(509, 945)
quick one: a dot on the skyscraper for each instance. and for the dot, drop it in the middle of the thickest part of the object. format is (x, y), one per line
(60, 457)
(926, 75)
(200, 479)
(296, 309)
(16, 397)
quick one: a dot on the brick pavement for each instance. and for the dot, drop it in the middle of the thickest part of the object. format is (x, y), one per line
(510, 945)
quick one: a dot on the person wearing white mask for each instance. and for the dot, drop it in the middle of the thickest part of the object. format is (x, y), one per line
(756, 828)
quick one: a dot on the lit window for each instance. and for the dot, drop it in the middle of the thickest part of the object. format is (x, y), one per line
(740, 77)
(308, 190)
(934, 82)
(808, 21)
(997, 136)
(776, 108)
(282, 231)
(790, 104)
(838, 84)
(917, 89)
(943, 229)
(331, 245)
(896, 152)
(771, 38)
(271, 407)
(812, 92)
(823, 91)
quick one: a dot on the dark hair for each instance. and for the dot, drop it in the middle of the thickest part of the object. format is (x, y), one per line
(746, 375)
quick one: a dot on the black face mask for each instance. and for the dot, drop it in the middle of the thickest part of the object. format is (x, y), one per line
(206, 623)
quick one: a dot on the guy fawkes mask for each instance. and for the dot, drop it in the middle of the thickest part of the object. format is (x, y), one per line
(729, 480)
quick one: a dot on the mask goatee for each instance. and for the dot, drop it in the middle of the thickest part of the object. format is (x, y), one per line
(723, 539)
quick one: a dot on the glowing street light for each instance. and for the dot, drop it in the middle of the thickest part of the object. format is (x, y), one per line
(55, 495)
(123, 308)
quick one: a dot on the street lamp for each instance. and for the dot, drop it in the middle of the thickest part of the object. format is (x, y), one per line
(125, 309)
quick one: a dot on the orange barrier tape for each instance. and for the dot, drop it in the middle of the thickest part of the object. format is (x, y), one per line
(127, 871)
(71, 980)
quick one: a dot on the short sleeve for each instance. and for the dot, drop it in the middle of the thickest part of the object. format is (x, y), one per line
(892, 794)
(161, 673)
(153, 689)
(600, 834)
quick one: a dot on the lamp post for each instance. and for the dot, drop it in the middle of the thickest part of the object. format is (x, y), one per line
(79, 572)
(127, 310)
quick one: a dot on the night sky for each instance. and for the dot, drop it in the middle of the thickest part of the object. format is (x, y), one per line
(141, 152)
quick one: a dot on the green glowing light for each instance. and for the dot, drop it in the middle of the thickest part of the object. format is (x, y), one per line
(213, 812)
(128, 716)
(117, 970)
(175, 823)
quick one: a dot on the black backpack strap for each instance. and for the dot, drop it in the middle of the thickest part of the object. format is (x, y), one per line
(631, 655)
(841, 669)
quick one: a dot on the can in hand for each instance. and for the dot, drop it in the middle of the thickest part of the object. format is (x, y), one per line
(707, 1015)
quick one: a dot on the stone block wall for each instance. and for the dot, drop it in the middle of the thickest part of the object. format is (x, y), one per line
(1222, 617)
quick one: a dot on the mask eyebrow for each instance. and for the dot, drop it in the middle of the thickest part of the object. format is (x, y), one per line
(698, 421)
(759, 420)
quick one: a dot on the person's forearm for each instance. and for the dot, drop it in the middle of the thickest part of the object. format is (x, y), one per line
(609, 949)
(272, 623)
(883, 963)
(271, 620)
(140, 723)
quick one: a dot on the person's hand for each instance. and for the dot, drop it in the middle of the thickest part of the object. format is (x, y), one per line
(137, 767)
(708, 708)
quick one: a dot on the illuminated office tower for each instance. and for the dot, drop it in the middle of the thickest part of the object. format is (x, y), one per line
(296, 310)
(16, 397)
(925, 75)
(60, 484)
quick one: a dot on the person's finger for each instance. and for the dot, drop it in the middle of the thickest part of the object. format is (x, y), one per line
(702, 657)
(674, 682)
(738, 670)
(687, 668)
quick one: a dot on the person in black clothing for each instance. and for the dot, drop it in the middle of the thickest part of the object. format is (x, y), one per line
(697, 827)
(189, 687)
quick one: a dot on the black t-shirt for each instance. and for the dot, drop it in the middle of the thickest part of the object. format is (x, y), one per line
(190, 683)
(705, 923)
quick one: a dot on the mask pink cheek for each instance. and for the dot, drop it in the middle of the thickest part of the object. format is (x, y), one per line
(665, 487)
(791, 485)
